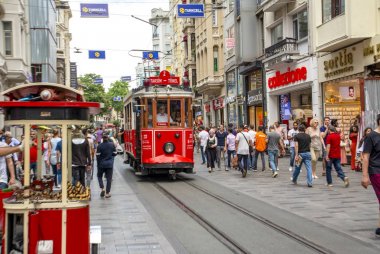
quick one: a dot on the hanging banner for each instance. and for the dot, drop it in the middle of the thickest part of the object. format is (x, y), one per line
(150, 55)
(286, 113)
(96, 54)
(94, 10)
(190, 11)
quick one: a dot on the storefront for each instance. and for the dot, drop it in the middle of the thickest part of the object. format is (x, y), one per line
(218, 106)
(342, 82)
(255, 107)
(293, 92)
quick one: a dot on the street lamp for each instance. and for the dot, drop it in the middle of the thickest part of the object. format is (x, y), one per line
(144, 21)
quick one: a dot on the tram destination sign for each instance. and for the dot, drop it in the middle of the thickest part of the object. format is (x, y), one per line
(164, 79)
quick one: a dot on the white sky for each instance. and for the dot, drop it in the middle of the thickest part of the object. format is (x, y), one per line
(116, 35)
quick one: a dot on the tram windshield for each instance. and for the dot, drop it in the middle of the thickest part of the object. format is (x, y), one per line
(173, 112)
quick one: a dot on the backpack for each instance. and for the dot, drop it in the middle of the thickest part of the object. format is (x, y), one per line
(261, 144)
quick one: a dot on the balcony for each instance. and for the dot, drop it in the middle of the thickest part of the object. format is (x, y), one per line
(17, 70)
(188, 26)
(274, 5)
(210, 85)
(280, 53)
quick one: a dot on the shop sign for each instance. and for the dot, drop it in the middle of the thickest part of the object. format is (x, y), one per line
(230, 99)
(255, 97)
(345, 62)
(207, 107)
(371, 51)
(218, 103)
(287, 78)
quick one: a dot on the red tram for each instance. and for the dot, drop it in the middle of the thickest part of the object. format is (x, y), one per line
(158, 130)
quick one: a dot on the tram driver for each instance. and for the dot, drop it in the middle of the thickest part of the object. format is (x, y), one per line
(162, 116)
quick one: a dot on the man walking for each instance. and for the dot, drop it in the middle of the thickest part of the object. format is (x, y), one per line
(221, 135)
(333, 157)
(203, 137)
(291, 135)
(251, 157)
(324, 133)
(302, 142)
(274, 143)
(243, 142)
(105, 157)
(261, 146)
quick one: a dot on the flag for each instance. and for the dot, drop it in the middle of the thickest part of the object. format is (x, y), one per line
(96, 54)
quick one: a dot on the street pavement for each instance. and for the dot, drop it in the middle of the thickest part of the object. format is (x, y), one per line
(127, 227)
(353, 210)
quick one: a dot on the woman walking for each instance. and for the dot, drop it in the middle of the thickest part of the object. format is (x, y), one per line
(354, 141)
(317, 143)
(371, 164)
(231, 149)
(211, 151)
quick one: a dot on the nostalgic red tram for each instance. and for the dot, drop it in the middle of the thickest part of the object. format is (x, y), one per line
(158, 130)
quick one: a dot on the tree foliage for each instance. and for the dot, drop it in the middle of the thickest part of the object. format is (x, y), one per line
(118, 88)
(94, 92)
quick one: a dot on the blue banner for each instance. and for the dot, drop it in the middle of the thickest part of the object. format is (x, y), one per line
(98, 81)
(150, 55)
(94, 10)
(126, 78)
(190, 11)
(96, 54)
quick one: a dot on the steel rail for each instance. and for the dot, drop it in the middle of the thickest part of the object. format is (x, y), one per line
(284, 231)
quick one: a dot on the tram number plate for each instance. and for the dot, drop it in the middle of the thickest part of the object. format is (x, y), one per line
(172, 172)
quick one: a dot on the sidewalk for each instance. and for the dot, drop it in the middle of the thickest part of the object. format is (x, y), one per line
(126, 225)
(351, 210)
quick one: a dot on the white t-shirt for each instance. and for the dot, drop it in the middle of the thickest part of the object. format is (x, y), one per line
(243, 147)
(163, 118)
(292, 133)
(3, 165)
(203, 136)
(252, 134)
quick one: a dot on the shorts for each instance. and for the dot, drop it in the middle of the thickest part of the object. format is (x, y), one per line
(375, 181)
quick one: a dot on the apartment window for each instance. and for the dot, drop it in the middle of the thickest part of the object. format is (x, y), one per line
(8, 47)
(215, 59)
(300, 26)
(276, 34)
(331, 9)
(59, 41)
(37, 72)
(214, 18)
(231, 5)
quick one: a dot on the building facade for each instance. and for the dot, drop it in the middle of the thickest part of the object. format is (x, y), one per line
(63, 38)
(43, 44)
(209, 52)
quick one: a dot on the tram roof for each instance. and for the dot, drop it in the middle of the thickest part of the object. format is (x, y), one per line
(160, 91)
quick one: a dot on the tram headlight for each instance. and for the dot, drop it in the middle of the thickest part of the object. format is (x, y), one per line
(169, 147)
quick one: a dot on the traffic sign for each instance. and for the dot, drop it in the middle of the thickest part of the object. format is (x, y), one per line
(126, 78)
(98, 81)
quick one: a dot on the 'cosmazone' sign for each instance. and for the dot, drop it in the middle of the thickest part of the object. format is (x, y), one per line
(287, 78)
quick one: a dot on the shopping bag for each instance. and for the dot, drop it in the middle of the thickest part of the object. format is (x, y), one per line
(235, 163)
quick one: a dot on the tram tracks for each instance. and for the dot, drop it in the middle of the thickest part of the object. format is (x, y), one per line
(223, 237)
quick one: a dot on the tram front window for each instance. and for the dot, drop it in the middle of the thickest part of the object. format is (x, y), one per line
(162, 117)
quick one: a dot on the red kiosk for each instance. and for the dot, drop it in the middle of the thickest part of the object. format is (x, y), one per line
(40, 217)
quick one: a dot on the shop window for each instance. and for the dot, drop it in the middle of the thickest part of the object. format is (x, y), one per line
(300, 25)
(8, 38)
(331, 9)
(276, 34)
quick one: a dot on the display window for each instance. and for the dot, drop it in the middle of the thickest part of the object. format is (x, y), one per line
(342, 102)
(256, 116)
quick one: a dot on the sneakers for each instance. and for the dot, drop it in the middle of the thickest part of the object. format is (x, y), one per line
(244, 172)
(108, 195)
(290, 169)
(293, 181)
(377, 232)
(227, 169)
(346, 182)
(102, 193)
(329, 185)
(315, 177)
(209, 170)
(263, 169)
(309, 185)
(275, 174)
(277, 169)
(254, 170)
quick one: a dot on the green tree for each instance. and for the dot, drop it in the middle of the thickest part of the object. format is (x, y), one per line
(94, 92)
(118, 88)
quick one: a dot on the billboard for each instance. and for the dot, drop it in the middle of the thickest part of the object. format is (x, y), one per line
(190, 11)
(94, 10)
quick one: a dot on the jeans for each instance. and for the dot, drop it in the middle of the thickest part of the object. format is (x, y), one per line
(203, 155)
(251, 159)
(108, 172)
(292, 156)
(306, 158)
(262, 159)
(219, 151)
(273, 156)
(338, 168)
(57, 175)
(244, 158)
(229, 153)
(3, 186)
(78, 175)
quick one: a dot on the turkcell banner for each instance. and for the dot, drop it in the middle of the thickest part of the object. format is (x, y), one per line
(94, 10)
(96, 54)
(126, 78)
(150, 55)
(190, 11)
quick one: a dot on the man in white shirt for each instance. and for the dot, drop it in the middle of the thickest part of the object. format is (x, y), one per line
(291, 135)
(203, 136)
(162, 116)
(243, 141)
(251, 157)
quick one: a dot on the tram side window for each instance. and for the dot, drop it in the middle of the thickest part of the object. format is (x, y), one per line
(162, 117)
(149, 113)
(175, 111)
(188, 113)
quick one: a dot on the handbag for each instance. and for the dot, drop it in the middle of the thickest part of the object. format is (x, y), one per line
(250, 147)
(234, 162)
(53, 159)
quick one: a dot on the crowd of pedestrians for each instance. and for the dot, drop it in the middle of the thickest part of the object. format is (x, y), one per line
(241, 148)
